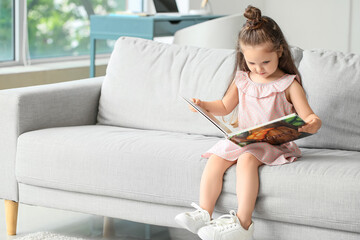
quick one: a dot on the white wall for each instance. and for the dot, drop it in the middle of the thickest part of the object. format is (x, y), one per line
(227, 6)
(326, 24)
(309, 24)
(355, 27)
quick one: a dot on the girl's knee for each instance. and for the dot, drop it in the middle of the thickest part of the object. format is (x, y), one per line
(220, 163)
(247, 160)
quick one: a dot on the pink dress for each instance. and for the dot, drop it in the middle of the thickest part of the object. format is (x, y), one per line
(259, 103)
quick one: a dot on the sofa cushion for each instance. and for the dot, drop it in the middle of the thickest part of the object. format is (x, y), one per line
(112, 161)
(297, 54)
(144, 80)
(320, 189)
(332, 83)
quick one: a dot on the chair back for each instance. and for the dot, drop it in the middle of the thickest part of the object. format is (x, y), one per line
(217, 33)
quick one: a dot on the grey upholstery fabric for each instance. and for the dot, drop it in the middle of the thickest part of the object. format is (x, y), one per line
(113, 161)
(273, 230)
(8, 139)
(32, 108)
(150, 98)
(321, 189)
(147, 95)
(332, 83)
(297, 54)
(138, 174)
(126, 209)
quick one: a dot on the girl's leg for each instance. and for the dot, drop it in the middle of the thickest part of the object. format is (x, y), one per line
(212, 181)
(247, 186)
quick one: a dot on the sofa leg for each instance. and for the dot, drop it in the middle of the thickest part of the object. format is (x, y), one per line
(147, 232)
(108, 228)
(11, 212)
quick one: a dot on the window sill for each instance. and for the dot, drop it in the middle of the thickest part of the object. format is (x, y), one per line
(47, 73)
(63, 65)
(53, 72)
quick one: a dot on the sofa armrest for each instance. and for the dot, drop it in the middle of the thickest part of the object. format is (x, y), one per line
(46, 106)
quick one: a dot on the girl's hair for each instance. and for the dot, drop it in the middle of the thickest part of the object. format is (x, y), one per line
(258, 30)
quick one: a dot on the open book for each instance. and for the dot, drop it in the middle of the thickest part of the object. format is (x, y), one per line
(277, 131)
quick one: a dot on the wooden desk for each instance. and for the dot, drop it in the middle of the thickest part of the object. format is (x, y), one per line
(114, 26)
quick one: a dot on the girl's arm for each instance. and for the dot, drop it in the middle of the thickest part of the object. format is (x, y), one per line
(220, 107)
(296, 95)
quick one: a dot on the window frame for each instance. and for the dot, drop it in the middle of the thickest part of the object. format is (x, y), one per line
(21, 42)
(14, 34)
(19, 35)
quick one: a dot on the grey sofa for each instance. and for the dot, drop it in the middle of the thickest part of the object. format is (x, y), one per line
(126, 146)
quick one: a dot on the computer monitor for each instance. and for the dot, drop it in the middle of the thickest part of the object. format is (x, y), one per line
(166, 6)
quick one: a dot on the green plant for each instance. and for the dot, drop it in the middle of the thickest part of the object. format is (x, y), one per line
(59, 28)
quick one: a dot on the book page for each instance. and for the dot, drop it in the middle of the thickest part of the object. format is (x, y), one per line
(225, 130)
(276, 132)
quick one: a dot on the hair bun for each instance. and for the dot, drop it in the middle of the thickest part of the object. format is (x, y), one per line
(253, 15)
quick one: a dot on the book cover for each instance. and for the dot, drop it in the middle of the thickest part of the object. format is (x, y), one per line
(275, 132)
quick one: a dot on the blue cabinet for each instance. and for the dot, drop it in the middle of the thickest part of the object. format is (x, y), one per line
(114, 26)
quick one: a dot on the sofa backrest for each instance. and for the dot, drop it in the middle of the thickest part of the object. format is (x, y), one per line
(144, 81)
(332, 84)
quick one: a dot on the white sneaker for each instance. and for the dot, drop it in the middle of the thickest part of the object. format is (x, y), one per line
(193, 221)
(226, 227)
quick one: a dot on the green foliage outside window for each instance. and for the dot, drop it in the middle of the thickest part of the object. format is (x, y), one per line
(59, 28)
(6, 30)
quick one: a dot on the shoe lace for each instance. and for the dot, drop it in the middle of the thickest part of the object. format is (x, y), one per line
(224, 222)
(199, 213)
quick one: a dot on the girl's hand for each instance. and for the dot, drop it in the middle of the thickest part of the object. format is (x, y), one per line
(312, 126)
(196, 101)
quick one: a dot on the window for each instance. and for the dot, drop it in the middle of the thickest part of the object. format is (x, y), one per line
(7, 30)
(59, 28)
(39, 29)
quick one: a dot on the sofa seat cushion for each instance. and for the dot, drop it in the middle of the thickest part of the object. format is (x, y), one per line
(143, 165)
(320, 189)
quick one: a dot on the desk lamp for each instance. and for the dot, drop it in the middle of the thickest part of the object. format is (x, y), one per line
(203, 3)
(205, 9)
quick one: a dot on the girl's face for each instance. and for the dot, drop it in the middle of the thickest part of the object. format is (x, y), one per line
(262, 60)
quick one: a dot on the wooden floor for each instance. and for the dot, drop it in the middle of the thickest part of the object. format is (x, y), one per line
(33, 219)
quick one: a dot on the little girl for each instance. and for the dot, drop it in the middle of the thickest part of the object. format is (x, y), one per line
(266, 86)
